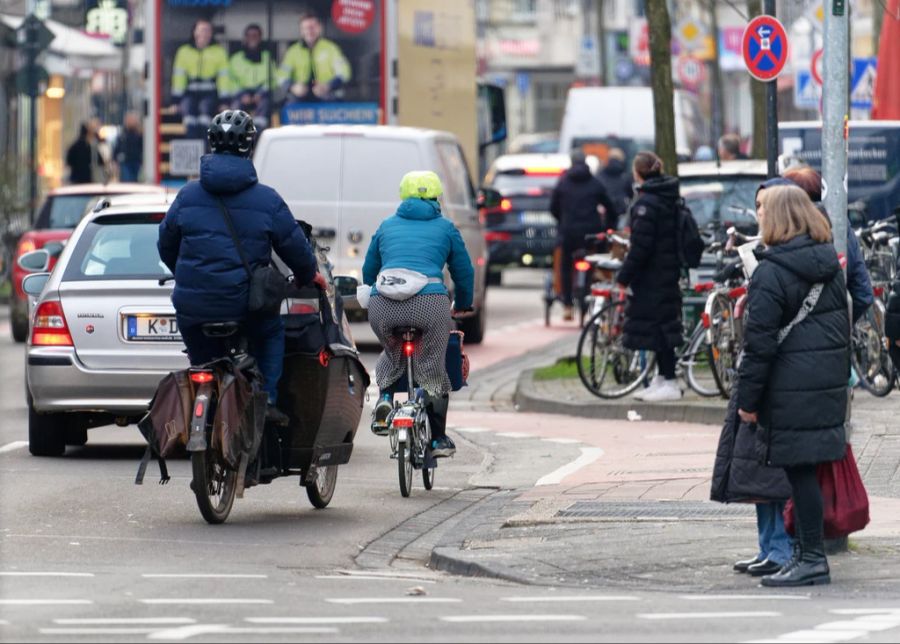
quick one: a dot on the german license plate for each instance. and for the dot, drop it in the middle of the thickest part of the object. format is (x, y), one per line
(152, 328)
(537, 218)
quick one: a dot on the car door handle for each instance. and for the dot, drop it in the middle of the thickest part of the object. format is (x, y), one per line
(324, 233)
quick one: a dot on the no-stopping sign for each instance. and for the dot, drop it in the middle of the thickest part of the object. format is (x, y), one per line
(765, 48)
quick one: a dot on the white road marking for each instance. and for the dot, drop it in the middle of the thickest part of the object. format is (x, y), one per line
(185, 632)
(514, 435)
(572, 598)
(814, 637)
(476, 619)
(870, 621)
(588, 456)
(45, 602)
(394, 600)
(375, 578)
(136, 630)
(121, 621)
(562, 441)
(865, 611)
(43, 573)
(205, 600)
(699, 598)
(722, 615)
(166, 575)
(470, 430)
(317, 620)
(9, 447)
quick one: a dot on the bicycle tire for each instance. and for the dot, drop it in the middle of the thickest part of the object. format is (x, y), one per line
(615, 356)
(404, 468)
(202, 484)
(321, 490)
(869, 355)
(696, 346)
(722, 350)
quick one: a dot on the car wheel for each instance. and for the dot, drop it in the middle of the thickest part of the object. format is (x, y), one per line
(46, 433)
(76, 434)
(475, 326)
(18, 322)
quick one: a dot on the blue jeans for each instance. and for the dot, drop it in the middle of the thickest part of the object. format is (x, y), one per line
(774, 542)
(129, 172)
(265, 336)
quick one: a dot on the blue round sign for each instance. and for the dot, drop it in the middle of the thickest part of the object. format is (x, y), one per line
(765, 48)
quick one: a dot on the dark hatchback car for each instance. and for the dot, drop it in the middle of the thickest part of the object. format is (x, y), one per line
(515, 211)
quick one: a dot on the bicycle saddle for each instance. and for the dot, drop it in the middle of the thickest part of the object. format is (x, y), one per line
(220, 329)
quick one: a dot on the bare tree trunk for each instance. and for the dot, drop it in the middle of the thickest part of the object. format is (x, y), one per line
(601, 41)
(660, 30)
(758, 95)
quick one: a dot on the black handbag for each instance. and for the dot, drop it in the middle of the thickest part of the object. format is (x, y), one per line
(268, 287)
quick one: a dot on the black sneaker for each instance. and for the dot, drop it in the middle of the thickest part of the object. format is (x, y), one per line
(275, 416)
(443, 447)
(380, 416)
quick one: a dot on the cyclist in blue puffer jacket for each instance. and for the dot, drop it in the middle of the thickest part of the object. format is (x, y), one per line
(419, 238)
(211, 282)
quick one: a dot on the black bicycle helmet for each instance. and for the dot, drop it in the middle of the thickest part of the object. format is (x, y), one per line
(232, 132)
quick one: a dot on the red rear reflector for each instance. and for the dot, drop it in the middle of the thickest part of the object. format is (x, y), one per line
(506, 205)
(50, 328)
(409, 348)
(735, 293)
(198, 410)
(497, 236)
(302, 309)
(705, 318)
(403, 422)
(201, 377)
(878, 291)
(703, 287)
(582, 266)
(601, 292)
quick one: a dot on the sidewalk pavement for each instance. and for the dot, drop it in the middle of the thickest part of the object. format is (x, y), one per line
(632, 510)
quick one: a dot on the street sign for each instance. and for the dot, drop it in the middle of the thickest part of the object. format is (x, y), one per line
(691, 72)
(691, 34)
(816, 15)
(587, 64)
(862, 82)
(765, 48)
(815, 66)
(523, 82)
(806, 91)
(33, 34)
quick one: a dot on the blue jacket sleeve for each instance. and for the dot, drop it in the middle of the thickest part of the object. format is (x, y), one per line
(461, 270)
(858, 282)
(372, 265)
(291, 245)
(169, 243)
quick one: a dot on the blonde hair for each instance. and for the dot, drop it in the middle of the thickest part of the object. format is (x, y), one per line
(789, 213)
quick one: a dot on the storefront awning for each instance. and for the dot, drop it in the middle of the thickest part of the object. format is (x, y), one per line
(72, 50)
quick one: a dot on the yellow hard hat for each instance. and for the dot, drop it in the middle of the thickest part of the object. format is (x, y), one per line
(421, 184)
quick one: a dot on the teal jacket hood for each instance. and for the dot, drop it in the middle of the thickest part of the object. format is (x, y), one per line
(419, 209)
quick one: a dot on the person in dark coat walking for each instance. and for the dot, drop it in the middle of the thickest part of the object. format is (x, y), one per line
(794, 374)
(129, 152)
(618, 181)
(79, 157)
(582, 207)
(211, 282)
(652, 271)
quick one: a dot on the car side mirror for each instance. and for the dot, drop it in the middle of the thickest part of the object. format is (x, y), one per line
(36, 261)
(345, 286)
(489, 198)
(34, 284)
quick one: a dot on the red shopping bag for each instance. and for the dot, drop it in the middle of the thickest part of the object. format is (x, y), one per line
(844, 496)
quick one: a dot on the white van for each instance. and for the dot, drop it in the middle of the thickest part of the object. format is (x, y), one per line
(344, 180)
(599, 118)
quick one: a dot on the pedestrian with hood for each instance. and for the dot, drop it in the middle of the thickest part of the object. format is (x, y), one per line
(80, 157)
(617, 180)
(652, 271)
(796, 365)
(582, 207)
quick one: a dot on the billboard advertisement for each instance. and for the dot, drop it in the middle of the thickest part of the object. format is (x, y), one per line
(282, 61)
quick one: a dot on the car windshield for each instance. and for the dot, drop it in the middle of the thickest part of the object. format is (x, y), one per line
(524, 184)
(67, 210)
(733, 198)
(118, 249)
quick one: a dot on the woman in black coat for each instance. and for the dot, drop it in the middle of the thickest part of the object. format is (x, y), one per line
(794, 374)
(652, 270)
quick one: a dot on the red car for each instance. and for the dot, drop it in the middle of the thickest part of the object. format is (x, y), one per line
(58, 216)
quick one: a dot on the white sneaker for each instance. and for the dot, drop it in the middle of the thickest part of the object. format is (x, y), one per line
(655, 384)
(667, 391)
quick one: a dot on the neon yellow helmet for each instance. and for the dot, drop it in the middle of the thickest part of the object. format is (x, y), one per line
(421, 184)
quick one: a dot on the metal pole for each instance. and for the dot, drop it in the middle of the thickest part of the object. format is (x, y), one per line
(834, 126)
(771, 114)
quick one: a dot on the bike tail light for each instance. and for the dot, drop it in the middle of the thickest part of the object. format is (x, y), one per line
(201, 377)
(505, 205)
(705, 318)
(408, 348)
(582, 266)
(50, 328)
(403, 423)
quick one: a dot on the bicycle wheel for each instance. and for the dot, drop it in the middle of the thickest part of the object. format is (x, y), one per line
(425, 438)
(322, 488)
(214, 484)
(869, 354)
(698, 371)
(722, 345)
(404, 467)
(606, 367)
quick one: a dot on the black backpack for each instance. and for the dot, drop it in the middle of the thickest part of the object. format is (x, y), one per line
(690, 242)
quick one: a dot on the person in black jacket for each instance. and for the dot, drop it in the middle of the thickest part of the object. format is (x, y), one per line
(79, 158)
(617, 180)
(795, 370)
(892, 317)
(582, 207)
(652, 270)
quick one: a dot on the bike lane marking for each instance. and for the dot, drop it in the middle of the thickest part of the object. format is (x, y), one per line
(588, 455)
(317, 620)
(43, 573)
(572, 598)
(166, 575)
(869, 622)
(775, 597)
(123, 621)
(487, 619)
(185, 632)
(394, 600)
(45, 602)
(203, 600)
(375, 578)
(9, 447)
(718, 615)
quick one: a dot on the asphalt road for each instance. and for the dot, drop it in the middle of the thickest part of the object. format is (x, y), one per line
(85, 555)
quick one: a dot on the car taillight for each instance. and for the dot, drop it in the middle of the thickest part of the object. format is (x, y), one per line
(25, 246)
(505, 205)
(544, 171)
(50, 328)
(496, 236)
(201, 377)
(582, 266)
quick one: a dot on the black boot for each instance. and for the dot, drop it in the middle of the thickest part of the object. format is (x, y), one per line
(810, 569)
(436, 408)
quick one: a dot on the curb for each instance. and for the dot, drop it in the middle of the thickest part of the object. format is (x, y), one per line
(702, 413)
